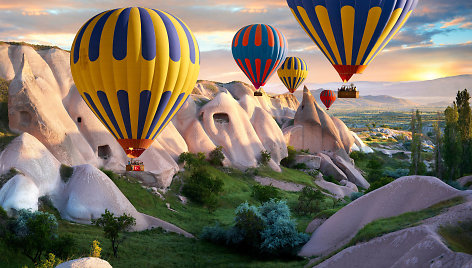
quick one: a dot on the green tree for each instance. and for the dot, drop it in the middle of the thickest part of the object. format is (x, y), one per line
(203, 187)
(465, 129)
(113, 226)
(417, 166)
(452, 148)
(309, 201)
(438, 141)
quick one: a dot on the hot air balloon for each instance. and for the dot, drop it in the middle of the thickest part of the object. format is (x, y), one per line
(293, 72)
(258, 50)
(135, 68)
(351, 33)
(327, 97)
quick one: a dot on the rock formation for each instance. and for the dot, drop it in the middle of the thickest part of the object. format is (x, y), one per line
(403, 195)
(80, 198)
(88, 262)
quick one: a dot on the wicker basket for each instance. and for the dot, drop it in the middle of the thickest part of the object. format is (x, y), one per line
(348, 94)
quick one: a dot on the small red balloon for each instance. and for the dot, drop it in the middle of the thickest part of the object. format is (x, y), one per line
(327, 97)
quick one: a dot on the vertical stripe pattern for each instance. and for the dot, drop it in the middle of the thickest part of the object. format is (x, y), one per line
(351, 33)
(258, 50)
(135, 68)
(292, 73)
(327, 97)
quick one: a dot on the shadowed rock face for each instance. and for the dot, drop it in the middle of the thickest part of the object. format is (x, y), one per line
(403, 195)
(315, 130)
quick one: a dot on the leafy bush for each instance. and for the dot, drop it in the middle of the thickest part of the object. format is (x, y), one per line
(309, 201)
(66, 172)
(397, 173)
(380, 183)
(265, 157)
(202, 187)
(192, 160)
(331, 179)
(113, 226)
(216, 156)
(357, 156)
(300, 166)
(95, 250)
(50, 262)
(35, 233)
(290, 159)
(314, 173)
(267, 230)
(356, 195)
(264, 193)
(456, 185)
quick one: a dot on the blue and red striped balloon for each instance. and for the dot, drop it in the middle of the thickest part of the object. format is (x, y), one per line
(259, 50)
(327, 97)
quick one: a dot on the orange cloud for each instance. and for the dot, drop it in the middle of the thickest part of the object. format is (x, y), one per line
(454, 22)
(34, 12)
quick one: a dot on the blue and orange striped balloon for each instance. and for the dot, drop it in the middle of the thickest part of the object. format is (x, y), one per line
(292, 73)
(258, 50)
(351, 33)
(327, 97)
(135, 68)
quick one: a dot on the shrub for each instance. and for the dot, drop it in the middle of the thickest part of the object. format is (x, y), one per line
(267, 229)
(66, 172)
(192, 160)
(456, 185)
(331, 179)
(95, 250)
(4, 178)
(380, 183)
(216, 156)
(113, 226)
(397, 173)
(35, 233)
(357, 156)
(112, 175)
(265, 157)
(264, 193)
(356, 195)
(50, 262)
(202, 187)
(300, 166)
(314, 173)
(309, 201)
(290, 159)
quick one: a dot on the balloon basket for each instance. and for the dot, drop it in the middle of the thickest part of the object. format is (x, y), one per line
(135, 165)
(257, 94)
(348, 94)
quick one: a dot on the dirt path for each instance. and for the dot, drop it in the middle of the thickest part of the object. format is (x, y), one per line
(286, 186)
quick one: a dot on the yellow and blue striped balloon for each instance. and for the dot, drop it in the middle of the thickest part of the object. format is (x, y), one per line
(135, 67)
(292, 73)
(351, 33)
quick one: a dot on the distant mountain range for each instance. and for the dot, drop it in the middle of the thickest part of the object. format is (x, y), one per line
(438, 92)
(369, 101)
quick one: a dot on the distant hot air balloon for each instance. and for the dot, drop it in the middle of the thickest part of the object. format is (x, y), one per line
(327, 97)
(293, 72)
(135, 68)
(258, 50)
(351, 33)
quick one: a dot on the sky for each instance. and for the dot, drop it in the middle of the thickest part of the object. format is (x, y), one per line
(435, 42)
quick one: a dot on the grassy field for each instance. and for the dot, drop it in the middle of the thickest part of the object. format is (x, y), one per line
(458, 237)
(156, 248)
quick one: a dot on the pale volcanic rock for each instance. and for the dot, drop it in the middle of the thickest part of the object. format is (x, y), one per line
(344, 134)
(353, 175)
(171, 140)
(329, 168)
(266, 128)
(311, 161)
(313, 128)
(20, 192)
(338, 191)
(228, 125)
(34, 109)
(7, 70)
(88, 262)
(285, 100)
(360, 145)
(402, 195)
(34, 161)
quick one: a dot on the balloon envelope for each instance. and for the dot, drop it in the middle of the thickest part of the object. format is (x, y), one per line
(351, 33)
(292, 73)
(135, 67)
(327, 97)
(258, 50)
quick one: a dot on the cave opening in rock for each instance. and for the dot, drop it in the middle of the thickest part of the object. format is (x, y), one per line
(221, 118)
(25, 118)
(79, 119)
(104, 151)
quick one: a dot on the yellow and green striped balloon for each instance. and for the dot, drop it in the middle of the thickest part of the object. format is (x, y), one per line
(135, 67)
(293, 72)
